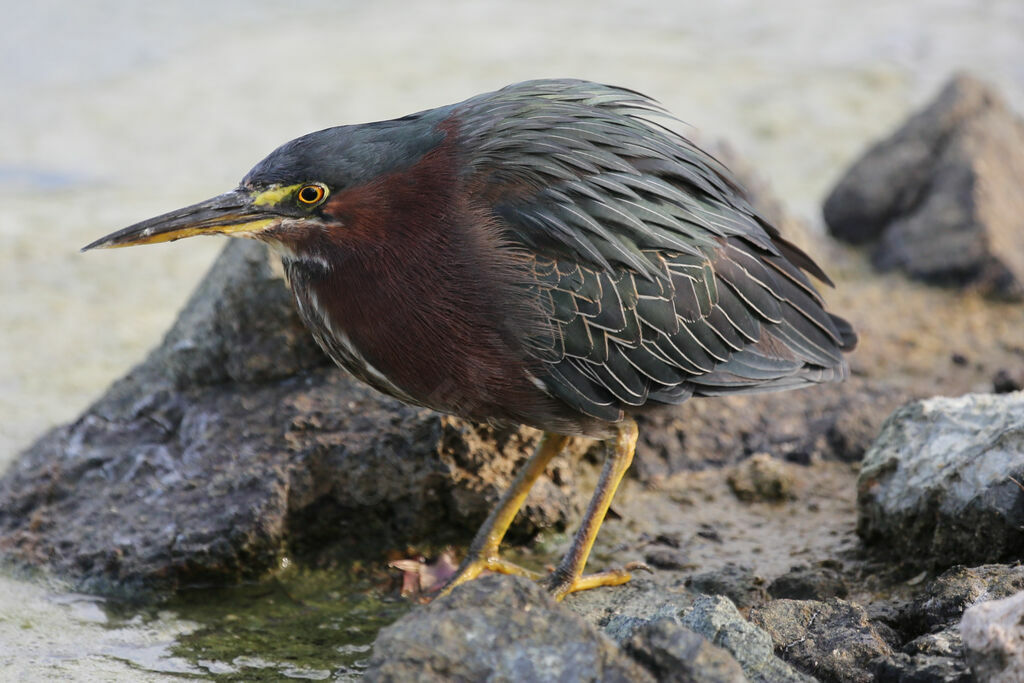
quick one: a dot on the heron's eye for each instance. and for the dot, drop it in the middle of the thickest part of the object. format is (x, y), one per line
(312, 194)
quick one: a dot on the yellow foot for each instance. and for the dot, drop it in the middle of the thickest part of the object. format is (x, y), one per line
(560, 586)
(473, 567)
(568, 577)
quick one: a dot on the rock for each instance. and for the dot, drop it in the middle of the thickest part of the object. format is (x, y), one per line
(935, 656)
(937, 487)
(762, 477)
(1005, 382)
(944, 600)
(674, 653)
(993, 636)
(904, 668)
(944, 643)
(236, 439)
(620, 612)
(932, 648)
(497, 628)
(664, 557)
(890, 618)
(635, 614)
(941, 196)
(736, 582)
(826, 422)
(717, 619)
(621, 628)
(833, 640)
(809, 583)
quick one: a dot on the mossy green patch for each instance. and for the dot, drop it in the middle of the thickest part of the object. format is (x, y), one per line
(299, 623)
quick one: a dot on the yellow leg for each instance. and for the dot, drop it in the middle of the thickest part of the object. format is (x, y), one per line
(568, 576)
(483, 552)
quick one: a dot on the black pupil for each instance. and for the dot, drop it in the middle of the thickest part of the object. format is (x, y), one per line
(309, 194)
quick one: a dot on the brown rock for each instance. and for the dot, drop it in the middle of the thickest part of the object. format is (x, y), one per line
(762, 477)
(942, 195)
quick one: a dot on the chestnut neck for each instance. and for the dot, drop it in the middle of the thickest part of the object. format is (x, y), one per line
(423, 289)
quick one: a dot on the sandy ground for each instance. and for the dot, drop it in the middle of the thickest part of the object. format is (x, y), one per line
(117, 111)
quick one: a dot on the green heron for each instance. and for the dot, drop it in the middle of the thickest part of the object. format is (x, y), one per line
(547, 254)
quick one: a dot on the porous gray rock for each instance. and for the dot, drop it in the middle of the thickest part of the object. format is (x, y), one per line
(237, 439)
(676, 654)
(940, 484)
(717, 619)
(832, 641)
(620, 612)
(676, 636)
(993, 637)
(941, 196)
(497, 628)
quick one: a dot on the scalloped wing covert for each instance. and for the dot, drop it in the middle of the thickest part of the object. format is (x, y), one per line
(659, 280)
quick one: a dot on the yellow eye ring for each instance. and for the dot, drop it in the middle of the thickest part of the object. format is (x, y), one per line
(311, 194)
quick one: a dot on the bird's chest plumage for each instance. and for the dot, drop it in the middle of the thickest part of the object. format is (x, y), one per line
(333, 338)
(420, 335)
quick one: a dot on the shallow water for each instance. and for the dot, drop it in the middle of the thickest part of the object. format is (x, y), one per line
(118, 111)
(299, 624)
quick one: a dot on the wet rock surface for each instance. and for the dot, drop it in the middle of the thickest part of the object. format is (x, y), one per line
(925, 632)
(941, 482)
(941, 197)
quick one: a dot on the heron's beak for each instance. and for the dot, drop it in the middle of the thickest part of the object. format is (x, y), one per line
(233, 212)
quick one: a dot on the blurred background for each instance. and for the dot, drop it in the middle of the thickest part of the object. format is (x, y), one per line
(115, 111)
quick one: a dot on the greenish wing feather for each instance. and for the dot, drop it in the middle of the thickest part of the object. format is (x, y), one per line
(658, 278)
